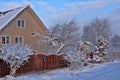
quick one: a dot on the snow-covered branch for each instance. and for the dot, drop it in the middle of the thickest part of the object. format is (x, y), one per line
(62, 38)
(100, 50)
(16, 56)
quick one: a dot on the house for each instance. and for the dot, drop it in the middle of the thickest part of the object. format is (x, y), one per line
(20, 26)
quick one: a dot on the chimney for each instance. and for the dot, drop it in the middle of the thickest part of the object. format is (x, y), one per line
(1, 14)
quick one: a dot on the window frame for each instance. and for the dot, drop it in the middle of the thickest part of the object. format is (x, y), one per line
(18, 39)
(34, 33)
(9, 40)
(21, 24)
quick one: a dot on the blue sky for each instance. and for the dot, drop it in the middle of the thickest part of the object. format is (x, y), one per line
(55, 11)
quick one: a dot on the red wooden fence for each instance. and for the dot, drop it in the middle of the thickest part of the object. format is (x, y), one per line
(4, 70)
(37, 62)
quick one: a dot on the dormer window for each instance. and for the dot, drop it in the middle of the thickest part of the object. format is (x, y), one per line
(20, 23)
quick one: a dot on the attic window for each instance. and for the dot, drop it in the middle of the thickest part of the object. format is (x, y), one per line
(20, 23)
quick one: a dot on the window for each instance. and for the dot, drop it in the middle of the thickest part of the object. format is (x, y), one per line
(34, 51)
(5, 40)
(18, 40)
(33, 33)
(21, 23)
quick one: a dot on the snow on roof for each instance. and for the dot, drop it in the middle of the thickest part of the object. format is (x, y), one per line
(10, 15)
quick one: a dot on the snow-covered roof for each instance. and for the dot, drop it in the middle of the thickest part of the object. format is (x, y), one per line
(9, 16)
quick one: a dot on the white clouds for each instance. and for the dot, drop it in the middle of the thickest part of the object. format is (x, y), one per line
(9, 5)
(42, 3)
(86, 5)
(116, 1)
(114, 18)
(50, 9)
(45, 7)
(74, 9)
(81, 10)
(26, 2)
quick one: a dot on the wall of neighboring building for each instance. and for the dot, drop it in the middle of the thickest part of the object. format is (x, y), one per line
(31, 25)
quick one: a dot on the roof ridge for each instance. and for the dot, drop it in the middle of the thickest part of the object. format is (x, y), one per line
(14, 8)
(21, 7)
(9, 16)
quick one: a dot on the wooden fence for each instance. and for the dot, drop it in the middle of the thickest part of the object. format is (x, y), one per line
(37, 62)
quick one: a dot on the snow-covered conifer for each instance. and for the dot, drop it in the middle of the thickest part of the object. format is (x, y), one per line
(100, 50)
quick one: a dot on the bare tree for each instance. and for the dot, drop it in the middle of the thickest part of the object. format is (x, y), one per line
(16, 56)
(115, 40)
(62, 38)
(97, 28)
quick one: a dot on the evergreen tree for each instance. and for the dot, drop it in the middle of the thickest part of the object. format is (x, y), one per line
(100, 50)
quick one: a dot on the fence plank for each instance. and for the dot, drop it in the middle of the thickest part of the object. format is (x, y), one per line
(37, 62)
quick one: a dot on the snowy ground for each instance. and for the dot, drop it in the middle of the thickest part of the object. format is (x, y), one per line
(109, 71)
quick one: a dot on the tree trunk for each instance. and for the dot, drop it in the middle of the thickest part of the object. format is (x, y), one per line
(13, 71)
(61, 47)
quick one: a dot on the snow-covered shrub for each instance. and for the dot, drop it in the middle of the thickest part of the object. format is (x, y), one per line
(100, 50)
(16, 56)
(97, 56)
(74, 60)
(84, 49)
(78, 57)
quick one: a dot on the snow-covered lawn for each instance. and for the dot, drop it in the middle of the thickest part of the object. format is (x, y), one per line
(108, 71)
